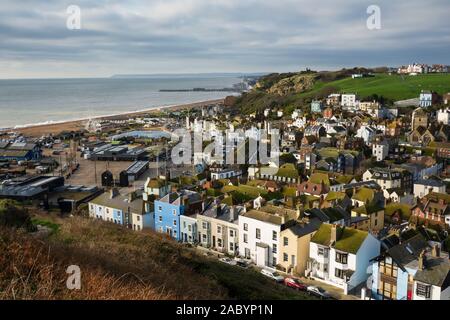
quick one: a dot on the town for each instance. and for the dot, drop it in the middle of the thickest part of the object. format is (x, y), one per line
(356, 207)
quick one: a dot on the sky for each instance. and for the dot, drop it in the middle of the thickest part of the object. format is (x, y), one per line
(200, 36)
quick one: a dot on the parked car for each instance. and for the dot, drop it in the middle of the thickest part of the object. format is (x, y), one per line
(229, 261)
(319, 292)
(242, 264)
(272, 275)
(295, 284)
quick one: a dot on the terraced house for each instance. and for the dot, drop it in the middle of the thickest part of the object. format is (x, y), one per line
(127, 210)
(259, 233)
(171, 207)
(340, 256)
(218, 228)
(294, 246)
(411, 270)
(434, 207)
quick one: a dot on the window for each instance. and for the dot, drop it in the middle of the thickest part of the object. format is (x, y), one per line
(231, 246)
(174, 212)
(231, 233)
(320, 251)
(258, 233)
(160, 218)
(247, 253)
(205, 225)
(341, 257)
(274, 235)
(189, 228)
(138, 218)
(423, 290)
(274, 248)
(92, 207)
(107, 210)
(285, 241)
(174, 222)
(285, 257)
(175, 233)
(219, 229)
(159, 208)
(338, 273)
(219, 243)
(204, 237)
(184, 224)
(245, 226)
(245, 238)
(274, 261)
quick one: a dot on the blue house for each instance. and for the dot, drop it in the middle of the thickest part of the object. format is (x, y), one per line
(394, 270)
(171, 207)
(316, 106)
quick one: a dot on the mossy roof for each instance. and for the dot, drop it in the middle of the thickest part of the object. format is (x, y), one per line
(350, 240)
(368, 209)
(155, 183)
(288, 170)
(318, 178)
(335, 195)
(364, 194)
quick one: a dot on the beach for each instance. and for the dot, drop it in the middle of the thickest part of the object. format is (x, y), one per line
(39, 130)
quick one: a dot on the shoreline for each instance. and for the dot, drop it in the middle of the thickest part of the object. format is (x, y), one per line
(56, 127)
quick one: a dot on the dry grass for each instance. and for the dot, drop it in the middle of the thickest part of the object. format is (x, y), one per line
(114, 265)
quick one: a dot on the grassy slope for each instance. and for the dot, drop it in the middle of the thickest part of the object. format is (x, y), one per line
(117, 263)
(393, 87)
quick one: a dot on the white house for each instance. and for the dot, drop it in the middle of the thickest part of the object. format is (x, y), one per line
(367, 133)
(225, 174)
(259, 234)
(157, 187)
(380, 150)
(426, 99)
(443, 116)
(297, 113)
(399, 196)
(385, 178)
(340, 256)
(348, 100)
(423, 187)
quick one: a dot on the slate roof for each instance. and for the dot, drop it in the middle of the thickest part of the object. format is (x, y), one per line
(303, 229)
(436, 271)
(408, 251)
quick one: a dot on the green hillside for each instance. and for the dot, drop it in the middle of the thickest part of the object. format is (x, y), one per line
(390, 87)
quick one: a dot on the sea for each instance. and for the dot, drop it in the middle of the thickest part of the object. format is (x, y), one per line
(44, 101)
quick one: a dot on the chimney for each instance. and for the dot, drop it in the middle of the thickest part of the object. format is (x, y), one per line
(422, 260)
(335, 233)
(436, 251)
(232, 213)
(114, 192)
(131, 197)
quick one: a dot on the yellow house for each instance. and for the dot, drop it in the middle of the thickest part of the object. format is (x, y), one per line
(294, 246)
(368, 218)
